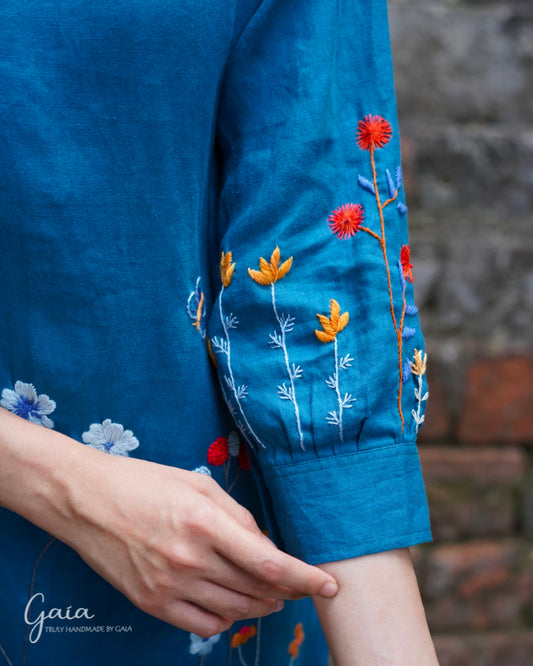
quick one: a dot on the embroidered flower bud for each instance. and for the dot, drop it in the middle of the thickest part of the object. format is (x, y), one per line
(405, 260)
(218, 452)
(270, 272)
(373, 132)
(226, 268)
(333, 324)
(243, 636)
(346, 220)
(418, 366)
(299, 635)
(243, 459)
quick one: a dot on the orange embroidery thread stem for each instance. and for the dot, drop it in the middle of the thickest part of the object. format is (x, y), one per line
(384, 250)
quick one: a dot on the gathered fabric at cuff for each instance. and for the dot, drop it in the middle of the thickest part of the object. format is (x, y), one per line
(349, 505)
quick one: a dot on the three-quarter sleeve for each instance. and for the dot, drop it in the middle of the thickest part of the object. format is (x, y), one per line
(314, 330)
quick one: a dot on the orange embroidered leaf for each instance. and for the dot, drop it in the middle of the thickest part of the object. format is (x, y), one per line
(299, 635)
(270, 272)
(333, 324)
(418, 366)
(226, 268)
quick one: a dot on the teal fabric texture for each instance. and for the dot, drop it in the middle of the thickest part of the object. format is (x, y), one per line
(206, 264)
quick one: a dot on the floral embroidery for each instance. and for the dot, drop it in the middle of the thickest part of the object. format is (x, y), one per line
(202, 646)
(218, 452)
(223, 346)
(226, 268)
(24, 402)
(223, 450)
(332, 326)
(110, 437)
(418, 368)
(271, 272)
(241, 638)
(374, 133)
(196, 308)
(267, 275)
(405, 263)
(203, 470)
(346, 220)
(294, 647)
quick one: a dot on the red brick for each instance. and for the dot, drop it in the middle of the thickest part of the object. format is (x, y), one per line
(498, 405)
(476, 585)
(463, 510)
(494, 649)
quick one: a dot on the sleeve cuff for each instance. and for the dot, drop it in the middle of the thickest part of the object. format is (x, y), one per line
(349, 505)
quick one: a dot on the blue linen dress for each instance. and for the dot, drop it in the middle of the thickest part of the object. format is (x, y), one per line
(205, 264)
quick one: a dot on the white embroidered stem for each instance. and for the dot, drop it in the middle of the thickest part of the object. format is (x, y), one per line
(418, 417)
(202, 660)
(232, 379)
(337, 391)
(258, 642)
(290, 373)
(241, 658)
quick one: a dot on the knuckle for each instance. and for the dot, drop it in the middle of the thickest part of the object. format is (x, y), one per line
(243, 608)
(247, 519)
(214, 625)
(272, 569)
(201, 517)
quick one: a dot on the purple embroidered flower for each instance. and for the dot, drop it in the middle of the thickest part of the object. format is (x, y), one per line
(110, 437)
(202, 646)
(25, 402)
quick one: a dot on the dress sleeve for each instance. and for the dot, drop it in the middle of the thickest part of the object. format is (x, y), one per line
(314, 331)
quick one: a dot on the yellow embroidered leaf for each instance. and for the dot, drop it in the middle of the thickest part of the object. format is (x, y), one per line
(324, 337)
(259, 277)
(284, 268)
(269, 272)
(226, 268)
(274, 259)
(343, 322)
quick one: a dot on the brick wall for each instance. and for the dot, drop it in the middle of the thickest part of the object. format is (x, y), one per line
(464, 76)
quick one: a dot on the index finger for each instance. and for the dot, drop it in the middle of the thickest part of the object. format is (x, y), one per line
(259, 557)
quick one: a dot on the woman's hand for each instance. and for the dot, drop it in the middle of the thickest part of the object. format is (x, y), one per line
(172, 541)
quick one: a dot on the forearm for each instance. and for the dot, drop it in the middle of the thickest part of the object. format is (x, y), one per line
(38, 472)
(377, 618)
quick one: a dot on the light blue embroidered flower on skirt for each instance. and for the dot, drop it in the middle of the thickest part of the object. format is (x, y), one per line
(202, 645)
(110, 437)
(25, 402)
(203, 470)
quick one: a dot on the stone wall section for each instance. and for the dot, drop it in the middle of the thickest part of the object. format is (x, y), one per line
(464, 79)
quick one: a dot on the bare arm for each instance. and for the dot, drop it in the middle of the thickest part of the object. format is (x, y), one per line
(172, 541)
(377, 618)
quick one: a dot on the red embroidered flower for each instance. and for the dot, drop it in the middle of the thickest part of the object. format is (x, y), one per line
(218, 452)
(346, 220)
(243, 459)
(243, 635)
(373, 132)
(405, 260)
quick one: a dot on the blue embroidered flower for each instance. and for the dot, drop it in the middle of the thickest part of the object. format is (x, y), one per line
(202, 646)
(110, 437)
(25, 402)
(203, 470)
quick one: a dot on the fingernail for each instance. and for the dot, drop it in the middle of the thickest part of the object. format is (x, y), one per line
(329, 589)
(279, 606)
